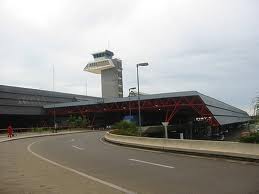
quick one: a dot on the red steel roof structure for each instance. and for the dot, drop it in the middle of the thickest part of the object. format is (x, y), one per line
(215, 112)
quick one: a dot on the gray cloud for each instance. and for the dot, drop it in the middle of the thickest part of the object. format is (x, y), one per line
(209, 46)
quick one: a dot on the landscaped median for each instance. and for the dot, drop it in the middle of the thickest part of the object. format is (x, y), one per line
(234, 150)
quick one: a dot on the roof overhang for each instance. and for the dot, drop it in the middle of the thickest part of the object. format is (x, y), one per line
(223, 113)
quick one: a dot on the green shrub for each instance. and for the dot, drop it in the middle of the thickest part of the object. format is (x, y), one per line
(37, 129)
(252, 138)
(79, 121)
(125, 128)
(84, 122)
(46, 129)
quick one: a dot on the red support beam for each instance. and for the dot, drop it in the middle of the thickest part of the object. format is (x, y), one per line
(93, 120)
(174, 111)
(170, 105)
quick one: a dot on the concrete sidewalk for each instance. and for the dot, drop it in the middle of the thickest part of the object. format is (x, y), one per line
(24, 135)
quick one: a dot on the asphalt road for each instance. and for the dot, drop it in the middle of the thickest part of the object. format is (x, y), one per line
(83, 163)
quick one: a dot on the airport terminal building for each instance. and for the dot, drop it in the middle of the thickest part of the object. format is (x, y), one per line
(192, 112)
(24, 107)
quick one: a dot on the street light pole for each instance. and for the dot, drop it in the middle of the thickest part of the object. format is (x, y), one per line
(139, 115)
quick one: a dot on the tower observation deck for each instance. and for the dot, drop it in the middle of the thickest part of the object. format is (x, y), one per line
(111, 73)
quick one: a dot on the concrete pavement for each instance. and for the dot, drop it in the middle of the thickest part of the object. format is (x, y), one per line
(23, 173)
(25, 135)
(136, 170)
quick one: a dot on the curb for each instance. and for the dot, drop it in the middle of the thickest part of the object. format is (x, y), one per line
(43, 135)
(196, 152)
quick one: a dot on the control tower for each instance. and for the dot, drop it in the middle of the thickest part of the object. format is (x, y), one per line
(111, 73)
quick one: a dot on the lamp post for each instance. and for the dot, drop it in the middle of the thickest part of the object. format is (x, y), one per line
(129, 98)
(139, 115)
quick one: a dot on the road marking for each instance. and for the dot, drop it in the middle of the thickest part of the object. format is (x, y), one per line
(151, 163)
(79, 173)
(72, 140)
(78, 147)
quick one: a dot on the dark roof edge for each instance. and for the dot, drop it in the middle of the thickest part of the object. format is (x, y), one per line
(112, 100)
(40, 90)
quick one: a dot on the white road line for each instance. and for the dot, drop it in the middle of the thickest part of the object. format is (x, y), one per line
(80, 173)
(151, 163)
(78, 147)
(72, 140)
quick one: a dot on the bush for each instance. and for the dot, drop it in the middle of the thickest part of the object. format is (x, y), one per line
(79, 121)
(252, 138)
(125, 128)
(84, 122)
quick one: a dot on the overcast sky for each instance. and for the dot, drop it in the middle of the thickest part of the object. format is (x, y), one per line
(211, 46)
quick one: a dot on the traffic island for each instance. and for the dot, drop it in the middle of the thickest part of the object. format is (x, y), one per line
(221, 149)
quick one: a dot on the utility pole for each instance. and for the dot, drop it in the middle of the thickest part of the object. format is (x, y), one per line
(139, 114)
